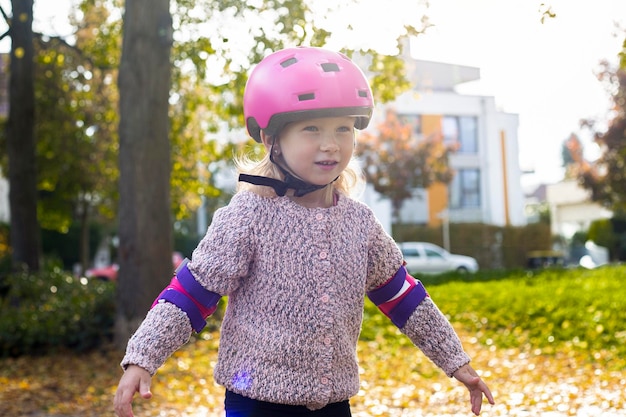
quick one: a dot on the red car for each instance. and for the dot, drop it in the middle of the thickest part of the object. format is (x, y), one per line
(109, 272)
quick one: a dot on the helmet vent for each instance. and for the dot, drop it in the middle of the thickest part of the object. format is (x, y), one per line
(362, 93)
(306, 97)
(289, 62)
(330, 67)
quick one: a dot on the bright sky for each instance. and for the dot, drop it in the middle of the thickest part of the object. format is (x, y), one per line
(543, 72)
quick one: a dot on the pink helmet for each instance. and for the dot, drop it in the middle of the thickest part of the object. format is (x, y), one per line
(302, 83)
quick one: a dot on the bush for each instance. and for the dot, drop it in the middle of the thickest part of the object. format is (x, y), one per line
(52, 309)
(493, 247)
(551, 309)
(66, 245)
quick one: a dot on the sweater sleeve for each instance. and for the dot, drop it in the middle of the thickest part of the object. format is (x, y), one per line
(225, 253)
(383, 257)
(163, 331)
(433, 334)
(221, 258)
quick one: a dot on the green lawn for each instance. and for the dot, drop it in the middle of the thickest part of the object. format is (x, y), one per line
(550, 309)
(546, 342)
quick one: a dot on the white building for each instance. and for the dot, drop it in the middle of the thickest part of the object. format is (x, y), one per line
(571, 208)
(487, 183)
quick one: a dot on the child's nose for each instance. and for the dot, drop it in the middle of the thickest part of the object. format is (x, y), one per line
(330, 142)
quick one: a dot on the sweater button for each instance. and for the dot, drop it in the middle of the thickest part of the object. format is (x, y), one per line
(324, 380)
(325, 298)
(319, 216)
(323, 255)
(327, 341)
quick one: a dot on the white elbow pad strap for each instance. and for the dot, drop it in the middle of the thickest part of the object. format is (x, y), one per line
(191, 297)
(399, 297)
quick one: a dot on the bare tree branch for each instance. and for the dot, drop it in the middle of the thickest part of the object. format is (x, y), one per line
(8, 20)
(5, 15)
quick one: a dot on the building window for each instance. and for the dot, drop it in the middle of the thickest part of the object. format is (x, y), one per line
(465, 189)
(462, 131)
(414, 120)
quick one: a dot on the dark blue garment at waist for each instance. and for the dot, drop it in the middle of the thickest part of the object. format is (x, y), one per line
(239, 406)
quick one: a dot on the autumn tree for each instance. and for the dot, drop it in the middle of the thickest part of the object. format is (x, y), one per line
(606, 177)
(396, 162)
(572, 154)
(76, 101)
(77, 126)
(74, 127)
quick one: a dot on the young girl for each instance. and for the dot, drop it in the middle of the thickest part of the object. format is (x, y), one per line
(296, 256)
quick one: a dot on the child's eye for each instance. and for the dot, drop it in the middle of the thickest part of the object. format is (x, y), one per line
(311, 128)
(344, 129)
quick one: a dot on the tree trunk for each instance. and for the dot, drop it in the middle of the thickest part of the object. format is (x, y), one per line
(84, 234)
(145, 226)
(24, 235)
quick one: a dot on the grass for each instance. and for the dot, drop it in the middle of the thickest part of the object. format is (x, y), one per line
(545, 341)
(549, 309)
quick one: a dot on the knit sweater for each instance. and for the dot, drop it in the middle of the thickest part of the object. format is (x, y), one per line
(296, 279)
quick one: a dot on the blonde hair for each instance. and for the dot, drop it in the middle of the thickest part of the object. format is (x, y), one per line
(349, 183)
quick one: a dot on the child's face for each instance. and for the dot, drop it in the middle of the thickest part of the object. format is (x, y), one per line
(318, 150)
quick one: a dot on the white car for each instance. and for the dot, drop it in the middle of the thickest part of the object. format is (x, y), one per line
(427, 258)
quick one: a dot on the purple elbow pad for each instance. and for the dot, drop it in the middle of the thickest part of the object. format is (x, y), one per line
(191, 297)
(186, 304)
(399, 297)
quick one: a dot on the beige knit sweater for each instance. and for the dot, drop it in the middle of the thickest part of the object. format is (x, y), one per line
(296, 279)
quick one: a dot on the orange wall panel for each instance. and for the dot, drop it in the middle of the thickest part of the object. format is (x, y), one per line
(438, 192)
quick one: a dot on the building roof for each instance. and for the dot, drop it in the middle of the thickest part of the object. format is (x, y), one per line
(428, 75)
(439, 76)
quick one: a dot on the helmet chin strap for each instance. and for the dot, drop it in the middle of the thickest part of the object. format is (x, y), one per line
(291, 182)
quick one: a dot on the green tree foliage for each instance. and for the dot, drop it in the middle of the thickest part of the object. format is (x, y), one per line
(76, 124)
(602, 234)
(77, 98)
(397, 162)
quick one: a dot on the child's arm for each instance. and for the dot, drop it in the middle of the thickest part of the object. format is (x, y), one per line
(135, 379)
(182, 306)
(405, 301)
(431, 331)
(476, 387)
(165, 329)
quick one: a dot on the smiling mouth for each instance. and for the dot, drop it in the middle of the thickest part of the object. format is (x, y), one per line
(327, 163)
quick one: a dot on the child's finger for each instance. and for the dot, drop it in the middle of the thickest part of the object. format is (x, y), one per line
(144, 388)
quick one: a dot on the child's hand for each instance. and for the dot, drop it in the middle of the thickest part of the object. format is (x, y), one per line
(475, 385)
(135, 379)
